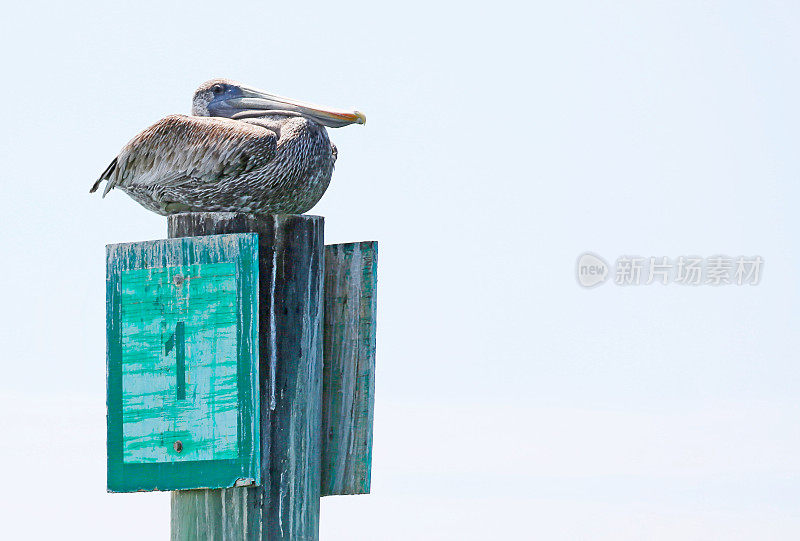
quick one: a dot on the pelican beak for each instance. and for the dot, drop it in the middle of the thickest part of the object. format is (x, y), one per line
(252, 101)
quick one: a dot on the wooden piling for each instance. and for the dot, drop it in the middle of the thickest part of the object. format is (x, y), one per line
(286, 505)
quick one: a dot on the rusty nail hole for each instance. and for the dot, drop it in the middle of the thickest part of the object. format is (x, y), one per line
(177, 279)
(178, 446)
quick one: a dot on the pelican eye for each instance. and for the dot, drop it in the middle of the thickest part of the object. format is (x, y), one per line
(217, 90)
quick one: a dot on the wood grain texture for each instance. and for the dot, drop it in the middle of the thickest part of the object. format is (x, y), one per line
(183, 396)
(286, 505)
(224, 514)
(349, 370)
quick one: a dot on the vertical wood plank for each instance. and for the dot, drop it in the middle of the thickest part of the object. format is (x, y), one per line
(349, 369)
(286, 505)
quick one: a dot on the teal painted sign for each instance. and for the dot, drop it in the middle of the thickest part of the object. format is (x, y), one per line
(183, 363)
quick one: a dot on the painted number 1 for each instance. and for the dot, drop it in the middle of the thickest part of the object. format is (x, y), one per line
(178, 341)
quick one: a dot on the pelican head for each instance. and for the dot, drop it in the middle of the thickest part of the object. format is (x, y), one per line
(229, 99)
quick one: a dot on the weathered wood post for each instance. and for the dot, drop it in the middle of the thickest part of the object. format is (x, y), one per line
(286, 504)
(241, 372)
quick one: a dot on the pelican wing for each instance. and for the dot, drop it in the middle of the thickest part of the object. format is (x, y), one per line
(180, 150)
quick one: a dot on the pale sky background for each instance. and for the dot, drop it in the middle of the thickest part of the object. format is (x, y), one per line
(503, 140)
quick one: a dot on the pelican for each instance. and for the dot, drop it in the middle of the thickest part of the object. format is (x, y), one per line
(241, 150)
